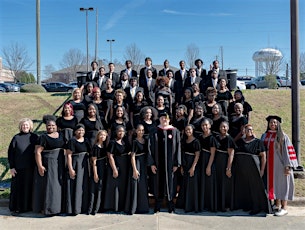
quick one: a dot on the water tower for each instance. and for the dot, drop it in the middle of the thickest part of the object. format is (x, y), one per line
(264, 56)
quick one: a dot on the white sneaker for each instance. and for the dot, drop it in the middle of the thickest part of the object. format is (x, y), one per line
(281, 212)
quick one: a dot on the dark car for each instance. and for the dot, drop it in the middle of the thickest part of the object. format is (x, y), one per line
(2, 90)
(57, 87)
(8, 87)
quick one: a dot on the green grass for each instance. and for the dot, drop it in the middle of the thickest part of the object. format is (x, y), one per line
(264, 102)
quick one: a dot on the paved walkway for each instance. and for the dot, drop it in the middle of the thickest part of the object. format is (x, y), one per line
(163, 220)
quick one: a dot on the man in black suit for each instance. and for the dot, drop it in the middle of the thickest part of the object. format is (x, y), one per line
(132, 89)
(124, 82)
(148, 65)
(210, 82)
(149, 85)
(93, 73)
(201, 72)
(162, 72)
(180, 76)
(129, 70)
(193, 78)
(112, 75)
(100, 79)
(221, 73)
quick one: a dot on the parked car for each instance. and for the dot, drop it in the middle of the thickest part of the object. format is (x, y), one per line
(57, 87)
(245, 79)
(16, 87)
(240, 85)
(8, 87)
(302, 82)
(260, 82)
(2, 90)
(73, 84)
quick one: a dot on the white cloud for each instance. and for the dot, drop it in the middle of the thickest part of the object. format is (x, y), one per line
(166, 11)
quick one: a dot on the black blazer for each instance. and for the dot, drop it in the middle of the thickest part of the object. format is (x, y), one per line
(221, 74)
(89, 76)
(162, 72)
(149, 93)
(205, 84)
(115, 78)
(188, 82)
(133, 73)
(129, 100)
(102, 85)
(202, 74)
(142, 73)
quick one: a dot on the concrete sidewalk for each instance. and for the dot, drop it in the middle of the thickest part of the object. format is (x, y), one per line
(163, 220)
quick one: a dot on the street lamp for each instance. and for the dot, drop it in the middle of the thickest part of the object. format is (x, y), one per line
(110, 41)
(87, 9)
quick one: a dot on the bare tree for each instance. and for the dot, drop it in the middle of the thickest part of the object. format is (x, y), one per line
(48, 70)
(16, 58)
(72, 63)
(191, 54)
(272, 64)
(302, 65)
(134, 54)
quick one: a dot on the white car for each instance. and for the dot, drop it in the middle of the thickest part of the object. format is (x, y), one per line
(241, 85)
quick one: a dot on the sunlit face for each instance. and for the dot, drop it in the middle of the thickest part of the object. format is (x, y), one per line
(237, 96)
(128, 64)
(91, 111)
(224, 128)
(160, 100)
(111, 67)
(222, 83)
(148, 114)
(180, 112)
(25, 127)
(102, 136)
(215, 109)
(79, 132)
(133, 82)
(148, 62)
(249, 131)
(139, 97)
(76, 94)
(119, 112)
(97, 94)
(120, 133)
(188, 131)
(198, 110)
(67, 110)
(94, 66)
(164, 120)
(124, 77)
(140, 131)
(205, 126)
(193, 72)
(216, 64)
(238, 109)
(211, 96)
(119, 97)
(102, 71)
(162, 83)
(89, 88)
(187, 94)
(51, 127)
(182, 64)
(195, 87)
(108, 83)
(149, 73)
(273, 124)
(170, 75)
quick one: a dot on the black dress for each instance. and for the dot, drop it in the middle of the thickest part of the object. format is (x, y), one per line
(77, 188)
(48, 194)
(97, 190)
(236, 124)
(139, 187)
(115, 195)
(107, 96)
(196, 122)
(224, 184)
(21, 157)
(223, 98)
(249, 190)
(189, 193)
(208, 186)
(79, 109)
(91, 129)
(66, 126)
(135, 109)
(216, 124)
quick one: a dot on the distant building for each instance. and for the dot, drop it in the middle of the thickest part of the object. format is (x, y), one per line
(69, 74)
(6, 75)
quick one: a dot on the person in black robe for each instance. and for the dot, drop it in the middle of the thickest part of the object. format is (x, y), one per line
(79, 106)
(49, 179)
(117, 175)
(21, 158)
(92, 123)
(223, 164)
(189, 192)
(237, 122)
(197, 119)
(99, 172)
(138, 178)
(208, 186)
(217, 118)
(164, 159)
(77, 151)
(249, 165)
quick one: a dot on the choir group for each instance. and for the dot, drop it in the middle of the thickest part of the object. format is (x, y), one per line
(179, 136)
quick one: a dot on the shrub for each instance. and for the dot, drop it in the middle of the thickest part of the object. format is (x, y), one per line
(32, 88)
(271, 80)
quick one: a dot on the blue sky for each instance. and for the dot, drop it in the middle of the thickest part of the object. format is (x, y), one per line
(162, 29)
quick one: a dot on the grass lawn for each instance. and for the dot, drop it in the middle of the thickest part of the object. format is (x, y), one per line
(14, 106)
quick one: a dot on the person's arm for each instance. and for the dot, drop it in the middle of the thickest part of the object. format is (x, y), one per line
(190, 116)
(135, 171)
(263, 163)
(11, 158)
(94, 169)
(115, 172)
(38, 151)
(229, 163)
(69, 164)
(208, 170)
(192, 169)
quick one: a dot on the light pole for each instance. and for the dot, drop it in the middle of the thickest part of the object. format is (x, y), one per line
(110, 41)
(87, 9)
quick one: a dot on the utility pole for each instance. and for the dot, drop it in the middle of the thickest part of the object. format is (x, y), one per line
(110, 43)
(96, 35)
(38, 41)
(221, 55)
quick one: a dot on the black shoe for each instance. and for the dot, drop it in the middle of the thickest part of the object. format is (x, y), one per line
(156, 210)
(254, 212)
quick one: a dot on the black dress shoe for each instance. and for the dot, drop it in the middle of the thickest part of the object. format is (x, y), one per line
(156, 210)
